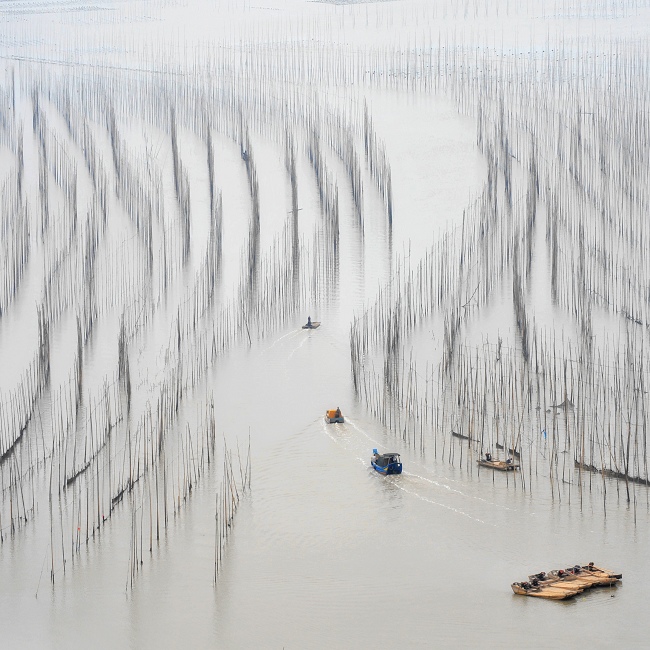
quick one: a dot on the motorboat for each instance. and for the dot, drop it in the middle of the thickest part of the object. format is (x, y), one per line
(334, 415)
(386, 463)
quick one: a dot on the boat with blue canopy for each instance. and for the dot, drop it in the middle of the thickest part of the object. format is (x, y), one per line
(386, 463)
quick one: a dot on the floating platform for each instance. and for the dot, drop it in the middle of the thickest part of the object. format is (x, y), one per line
(313, 326)
(565, 583)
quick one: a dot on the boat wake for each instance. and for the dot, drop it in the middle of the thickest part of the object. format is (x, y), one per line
(399, 484)
(450, 489)
(445, 486)
(284, 336)
(298, 347)
(407, 481)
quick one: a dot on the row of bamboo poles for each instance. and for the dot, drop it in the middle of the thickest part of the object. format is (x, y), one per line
(118, 256)
(562, 210)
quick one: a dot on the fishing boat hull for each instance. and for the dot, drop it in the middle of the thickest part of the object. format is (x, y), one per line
(386, 463)
(543, 592)
(584, 579)
(594, 570)
(513, 452)
(394, 468)
(332, 416)
(499, 465)
(574, 581)
(460, 436)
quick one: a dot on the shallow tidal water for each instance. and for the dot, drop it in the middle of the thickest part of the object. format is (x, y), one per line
(323, 552)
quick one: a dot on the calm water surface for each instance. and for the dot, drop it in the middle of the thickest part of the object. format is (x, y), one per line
(324, 552)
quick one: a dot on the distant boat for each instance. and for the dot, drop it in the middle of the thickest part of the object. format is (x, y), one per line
(311, 326)
(386, 463)
(334, 415)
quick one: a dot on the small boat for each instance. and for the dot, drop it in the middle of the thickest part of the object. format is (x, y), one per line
(575, 576)
(501, 465)
(312, 325)
(386, 463)
(460, 436)
(598, 571)
(542, 591)
(551, 579)
(333, 415)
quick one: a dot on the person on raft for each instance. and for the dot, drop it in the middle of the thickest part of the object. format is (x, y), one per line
(488, 456)
(509, 461)
(338, 412)
(308, 321)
